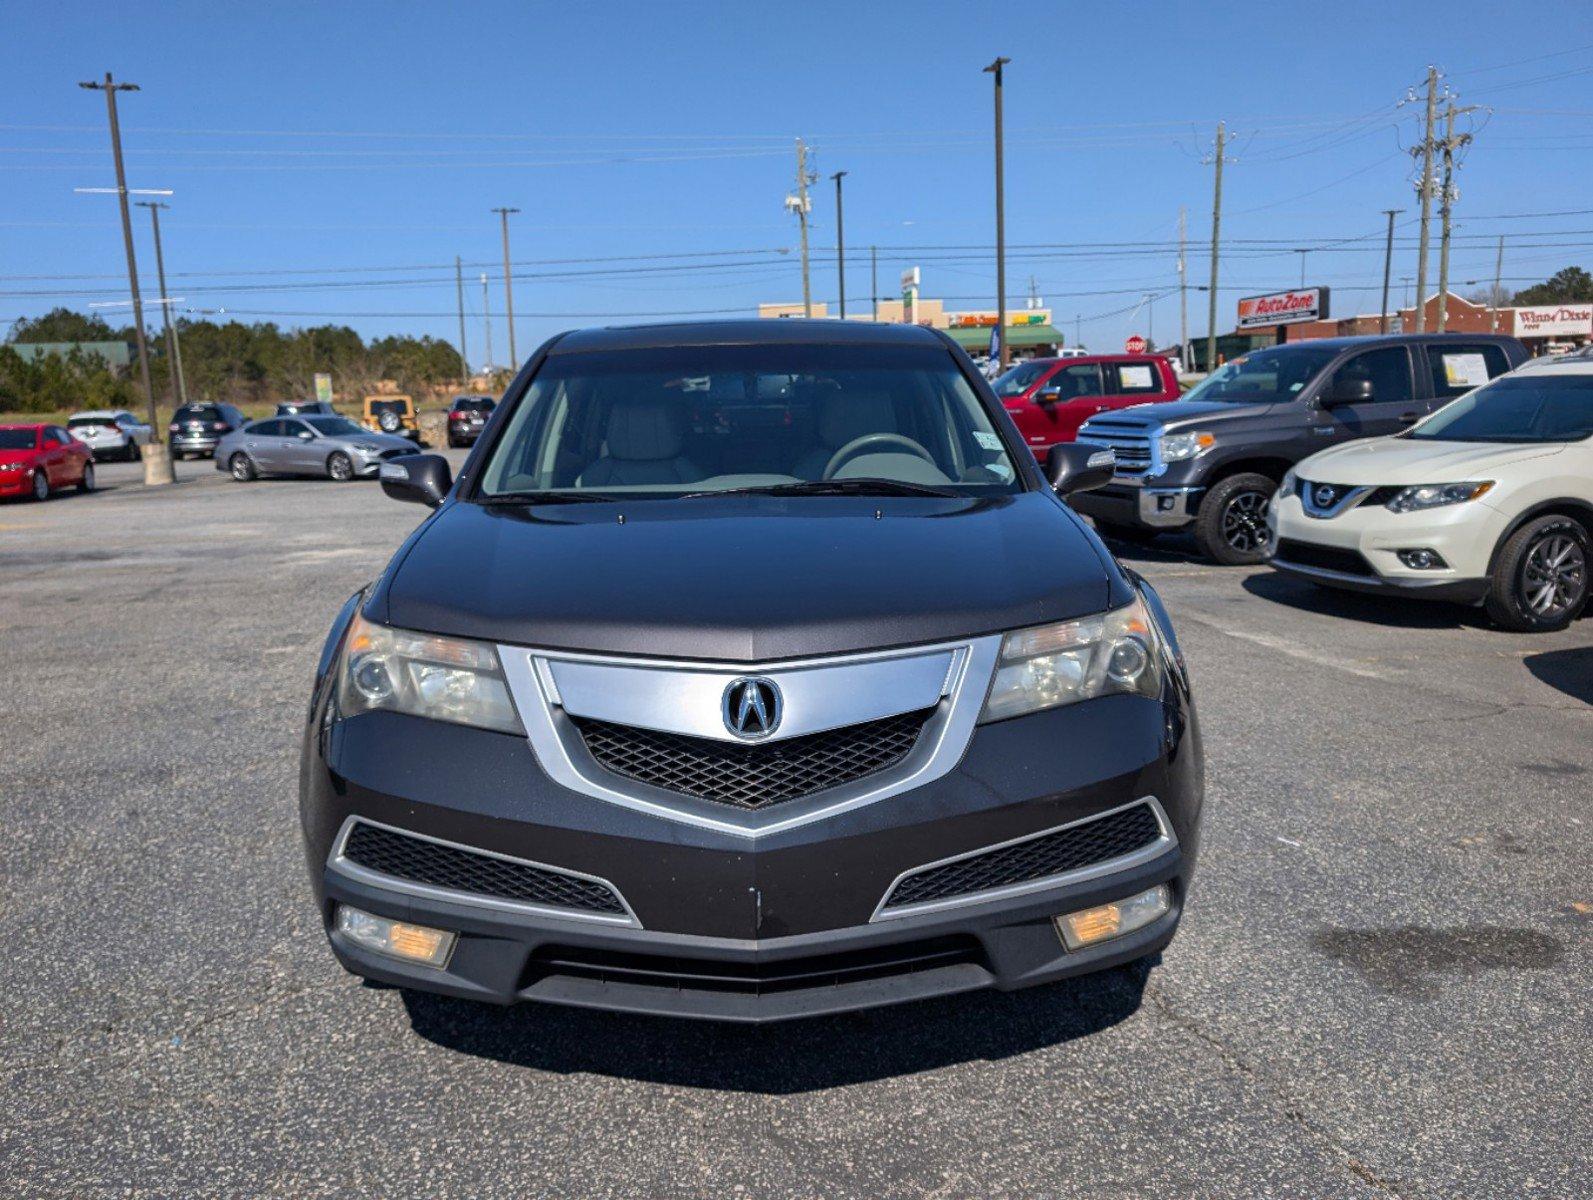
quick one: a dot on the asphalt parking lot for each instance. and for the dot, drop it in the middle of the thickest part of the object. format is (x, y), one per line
(1382, 987)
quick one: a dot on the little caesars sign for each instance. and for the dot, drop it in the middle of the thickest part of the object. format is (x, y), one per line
(1283, 308)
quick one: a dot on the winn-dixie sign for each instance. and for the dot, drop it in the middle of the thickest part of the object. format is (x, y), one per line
(1550, 322)
(1283, 308)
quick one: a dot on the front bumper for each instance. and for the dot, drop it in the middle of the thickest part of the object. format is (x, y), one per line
(1127, 502)
(787, 924)
(1358, 549)
(16, 483)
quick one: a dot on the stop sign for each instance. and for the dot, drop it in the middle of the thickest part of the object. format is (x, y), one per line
(1135, 344)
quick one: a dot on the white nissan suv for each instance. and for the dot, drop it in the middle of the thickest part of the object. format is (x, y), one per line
(1489, 500)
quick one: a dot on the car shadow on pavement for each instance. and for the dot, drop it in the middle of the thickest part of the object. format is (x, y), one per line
(1391, 611)
(790, 1057)
(1568, 671)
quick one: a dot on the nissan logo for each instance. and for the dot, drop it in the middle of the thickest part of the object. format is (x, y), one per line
(1326, 493)
(752, 707)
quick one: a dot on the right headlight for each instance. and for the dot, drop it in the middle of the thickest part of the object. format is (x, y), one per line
(1176, 447)
(447, 679)
(1052, 665)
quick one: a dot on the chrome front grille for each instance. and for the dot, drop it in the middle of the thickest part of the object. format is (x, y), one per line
(1134, 444)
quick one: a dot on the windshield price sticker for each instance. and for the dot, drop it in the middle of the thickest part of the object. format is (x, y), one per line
(1135, 376)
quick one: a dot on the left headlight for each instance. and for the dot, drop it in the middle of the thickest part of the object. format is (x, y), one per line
(367, 448)
(447, 679)
(1052, 665)
(1176, 447)
(1436, 495)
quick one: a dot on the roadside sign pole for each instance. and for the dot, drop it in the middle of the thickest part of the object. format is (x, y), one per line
(1001, 224)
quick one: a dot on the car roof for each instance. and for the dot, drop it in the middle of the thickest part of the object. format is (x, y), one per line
(99, 412)
(1071, 359)
(24, 425)
(1390, 339)
(748, 332)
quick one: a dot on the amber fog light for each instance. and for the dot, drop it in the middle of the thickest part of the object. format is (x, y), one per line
(1106, 921)
(396, 939)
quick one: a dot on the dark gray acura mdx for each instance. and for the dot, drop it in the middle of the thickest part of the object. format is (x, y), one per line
(749, 670)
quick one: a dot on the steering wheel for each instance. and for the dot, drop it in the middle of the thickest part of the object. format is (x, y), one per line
(869, 441)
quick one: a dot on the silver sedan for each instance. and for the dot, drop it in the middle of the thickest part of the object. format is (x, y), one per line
(333, 447)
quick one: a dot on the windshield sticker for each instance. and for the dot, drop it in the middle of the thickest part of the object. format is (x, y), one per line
(1133, 377)
(1465, 370)
(987, 441)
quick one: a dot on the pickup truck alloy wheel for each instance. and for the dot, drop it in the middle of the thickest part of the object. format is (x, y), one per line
(339, 467)
(1541, 580)
(1232, 526)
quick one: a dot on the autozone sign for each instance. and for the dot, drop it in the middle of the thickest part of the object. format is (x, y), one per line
(1553, 321)
(1283, 308)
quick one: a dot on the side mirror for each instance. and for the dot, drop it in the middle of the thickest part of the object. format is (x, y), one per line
(418, 478)
(1079, 467)
(1048, 396)
(306, 435)
(1348, 391)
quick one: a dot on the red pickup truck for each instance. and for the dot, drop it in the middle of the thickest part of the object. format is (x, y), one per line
(1049, 398)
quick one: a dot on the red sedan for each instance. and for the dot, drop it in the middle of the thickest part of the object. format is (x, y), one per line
(36, 460)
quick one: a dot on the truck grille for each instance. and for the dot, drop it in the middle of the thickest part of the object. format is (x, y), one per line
(1071, 849)
(455, 869)
(752, 776)
(1132, 442)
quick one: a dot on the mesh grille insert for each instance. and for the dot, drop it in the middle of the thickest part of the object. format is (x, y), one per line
(420, 861)
(752, 776)
(1328, 558)
(1070, 849)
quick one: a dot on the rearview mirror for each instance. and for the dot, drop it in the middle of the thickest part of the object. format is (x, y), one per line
(417, 478)
(1079, 467)
(1348, 391)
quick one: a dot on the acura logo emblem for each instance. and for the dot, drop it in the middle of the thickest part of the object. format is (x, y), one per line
(752, 707)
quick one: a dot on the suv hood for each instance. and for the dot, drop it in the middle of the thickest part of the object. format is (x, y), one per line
(747, 578)
(1374, 462)
(1177, 413)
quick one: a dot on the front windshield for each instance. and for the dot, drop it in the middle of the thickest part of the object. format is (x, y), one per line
(1537, 407)
(1019, 379)
(17, 439)
(332, 426)
(1263, 376)
(727, 418)
(398, 406)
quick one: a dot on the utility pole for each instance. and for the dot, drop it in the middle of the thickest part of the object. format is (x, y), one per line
(840, 242)
(1425, 190)
(1001, 225)
(873, 283)
(486, 320)
(157, 464)
(179, 393)
(1446, 206)
(508, 287)
(1388, 265)
(1183, 291)
(464, 357)
(1216, 237)
(1078, 330)
(799, 203)
(1302, 254)
(1498, 281)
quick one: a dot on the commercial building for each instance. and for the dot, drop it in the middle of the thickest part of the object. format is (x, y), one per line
(1030, 333)
(1543, 328)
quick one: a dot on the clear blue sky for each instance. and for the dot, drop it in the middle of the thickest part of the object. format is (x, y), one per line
(311, 139)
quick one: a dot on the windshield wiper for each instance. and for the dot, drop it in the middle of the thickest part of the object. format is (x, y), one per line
(545, 498)
(831, 487)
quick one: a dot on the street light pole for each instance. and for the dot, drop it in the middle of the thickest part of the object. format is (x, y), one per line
(1001, 226)
(840, 241)
(508, 287)
(179, 392)
(157, 464)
